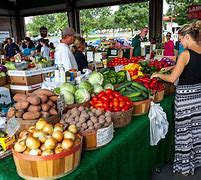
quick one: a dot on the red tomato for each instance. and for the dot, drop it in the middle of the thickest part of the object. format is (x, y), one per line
(100, 94)
(94, 98)
(125, 108)
(121, 104)
(129, 103)
(116, 94)
(115, 102)
(104, 98)
(116, 109)
(106, 105)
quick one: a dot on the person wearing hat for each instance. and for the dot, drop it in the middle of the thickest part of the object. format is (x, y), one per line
(63, 54)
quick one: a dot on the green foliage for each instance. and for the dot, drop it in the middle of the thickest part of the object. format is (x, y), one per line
(180, 10)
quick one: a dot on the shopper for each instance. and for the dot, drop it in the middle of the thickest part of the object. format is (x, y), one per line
(178, 48)
(52, 50)
(78, 49)
(11, 48)
(136, 41)
(63, 54)
(168, 46)
(45, 50)
(187, 102)
(27, 46)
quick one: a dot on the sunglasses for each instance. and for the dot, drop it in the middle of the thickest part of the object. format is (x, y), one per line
(168, 35)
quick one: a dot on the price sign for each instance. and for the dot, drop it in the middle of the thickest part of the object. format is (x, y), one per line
(61, 103)
(118, 68)
(13, 125)
(104, 135)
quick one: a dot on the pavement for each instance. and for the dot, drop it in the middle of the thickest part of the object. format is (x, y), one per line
(167, 174)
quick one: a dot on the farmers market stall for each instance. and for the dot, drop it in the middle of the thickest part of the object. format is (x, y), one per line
(128, 156)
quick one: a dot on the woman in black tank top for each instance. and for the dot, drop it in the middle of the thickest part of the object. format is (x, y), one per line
(187, 102)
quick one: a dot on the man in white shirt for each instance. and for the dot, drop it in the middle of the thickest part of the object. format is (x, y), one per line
(63, 54)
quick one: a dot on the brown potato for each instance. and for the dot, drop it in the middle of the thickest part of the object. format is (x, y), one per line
(34, 100)
(11, 112)
(44, 92)
(20, 97)
(31, 115)
(50, 103)
(21, 105)
(43, 98)
(45, 114)
(34, 108)
(53, 98)
(45, 107)
(19, 114)
(53, 111)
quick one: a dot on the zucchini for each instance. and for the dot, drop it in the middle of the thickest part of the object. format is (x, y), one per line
(135, 94)
(127, 93)
(122, 90)
(140, 86)
(144, 94)
(130, 89)
(123, 86)
(139, 98)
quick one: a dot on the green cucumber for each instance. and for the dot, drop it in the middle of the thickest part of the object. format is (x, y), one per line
(126, 93)
(139, 98)
(130, 89)
(141, 87)
(122, 90)
(135, 94)
(144, 94)
(123, 86)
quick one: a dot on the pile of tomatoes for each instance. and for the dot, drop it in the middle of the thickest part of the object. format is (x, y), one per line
(110, 100)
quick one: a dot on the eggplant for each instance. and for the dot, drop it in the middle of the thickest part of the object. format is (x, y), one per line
(3, 68)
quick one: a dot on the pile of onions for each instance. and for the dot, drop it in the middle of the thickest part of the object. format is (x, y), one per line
(45, 139)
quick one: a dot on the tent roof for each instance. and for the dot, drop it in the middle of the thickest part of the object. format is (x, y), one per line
(36, 7)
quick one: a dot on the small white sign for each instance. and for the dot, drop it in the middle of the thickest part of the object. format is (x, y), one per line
(114, 52)
(13, 126)
(104, 135)
(118, 68)
(61, 103)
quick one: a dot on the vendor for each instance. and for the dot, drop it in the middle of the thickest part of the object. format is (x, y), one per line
(27, 46)
(63, 54)
(136, 41)
(78, 49)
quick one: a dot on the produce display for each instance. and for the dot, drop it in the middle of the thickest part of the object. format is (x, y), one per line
(3, 71)
(86, 118)
(123, 61)
(40, 103)
(113, 77)
(45, 139)
(134, 70)
(110, 100)
(134, 91)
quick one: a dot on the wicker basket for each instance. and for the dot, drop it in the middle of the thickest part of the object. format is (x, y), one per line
(141, 107)
(70, 106)
(158, 97)
(123, 118)
(169, 88)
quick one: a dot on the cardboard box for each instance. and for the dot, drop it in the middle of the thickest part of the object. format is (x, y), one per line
(5, 95)
(7, 142)
(25, 73)
(48, 69)
(3, 81)
(24, 80)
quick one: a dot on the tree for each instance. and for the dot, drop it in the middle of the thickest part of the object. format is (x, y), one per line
(134, 16)
(180, 10)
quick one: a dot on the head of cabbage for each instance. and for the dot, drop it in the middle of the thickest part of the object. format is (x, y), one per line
(87, 85)
(68, 87)
(96, 77)
(81, 95)
(68, 97)
(97, 88)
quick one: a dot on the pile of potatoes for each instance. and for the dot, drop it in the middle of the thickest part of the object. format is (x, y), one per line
(40, 103)
(86, 118)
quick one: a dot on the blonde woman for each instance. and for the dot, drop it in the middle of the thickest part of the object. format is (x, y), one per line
(78, 49)
(187, 102)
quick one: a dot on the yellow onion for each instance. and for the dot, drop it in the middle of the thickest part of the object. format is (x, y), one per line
(35, 152)
(48, 128)
(32, 129)
(41, 123)
(47, 152)
(42, 147)
(77, 140)
(58, 135)
(26, 151)
(23, 135)
(42, 136)
(72, 128)
(58, 150)
(20, 146)
(58, 145)
(32, 143)
(67, 144)
(69, 135)
(57, 128)
(59, 125)
(50, 143)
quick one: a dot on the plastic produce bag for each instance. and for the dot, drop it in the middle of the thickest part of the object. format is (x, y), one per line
(158, 123)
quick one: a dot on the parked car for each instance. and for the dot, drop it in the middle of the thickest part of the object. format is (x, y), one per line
(94, 43)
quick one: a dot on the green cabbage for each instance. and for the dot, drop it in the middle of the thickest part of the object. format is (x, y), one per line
(81, 95)
(108, 86)
(96, 77)
(2, 74)
(97, 88)
(10, 66)
(68, 97)
(87, 85)
(68, 87)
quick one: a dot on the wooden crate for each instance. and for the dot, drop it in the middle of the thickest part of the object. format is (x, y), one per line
(158, 97)
(3, 81)
(141, 107)
(23, 80)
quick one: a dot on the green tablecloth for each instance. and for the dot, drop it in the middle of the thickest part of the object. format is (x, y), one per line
(129, 155)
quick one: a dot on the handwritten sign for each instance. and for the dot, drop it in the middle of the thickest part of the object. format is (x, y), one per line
(13, 125)
(104, 135)
(61, 103)
(118, 68)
